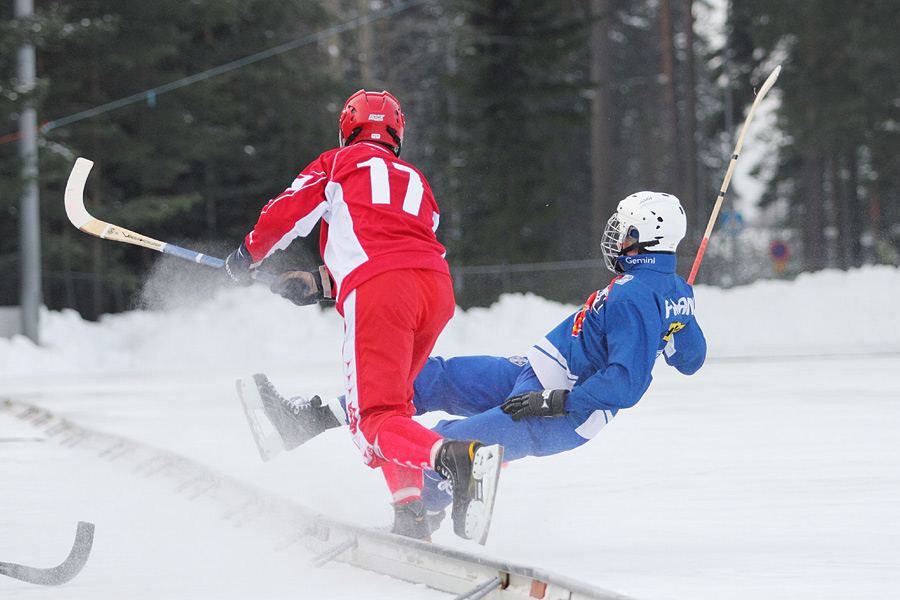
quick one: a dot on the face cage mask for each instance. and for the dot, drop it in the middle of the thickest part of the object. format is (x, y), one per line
(611, 243)
(613, 240)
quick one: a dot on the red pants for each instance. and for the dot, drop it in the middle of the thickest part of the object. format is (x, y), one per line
(391, 323)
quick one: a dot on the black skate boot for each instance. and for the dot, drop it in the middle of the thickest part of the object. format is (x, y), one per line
(473, 471)
(297, 420)
(411, 520)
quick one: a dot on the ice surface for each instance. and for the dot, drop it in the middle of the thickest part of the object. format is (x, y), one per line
(772, 473)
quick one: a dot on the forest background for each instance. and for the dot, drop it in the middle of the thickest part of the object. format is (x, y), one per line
(530, 118)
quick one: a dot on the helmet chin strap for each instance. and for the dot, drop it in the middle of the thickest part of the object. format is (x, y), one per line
(641, 248)
(391, 131)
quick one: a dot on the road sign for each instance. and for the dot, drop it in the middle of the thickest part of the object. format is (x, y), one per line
(779, 251)
(732, 223)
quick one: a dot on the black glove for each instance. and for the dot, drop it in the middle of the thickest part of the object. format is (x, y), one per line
(238, 264)
(303, 287)
(543, 403)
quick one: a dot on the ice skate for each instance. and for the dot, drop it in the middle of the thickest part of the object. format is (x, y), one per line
(473, 471)
(414, 521)
(411, 520)
(288, 423)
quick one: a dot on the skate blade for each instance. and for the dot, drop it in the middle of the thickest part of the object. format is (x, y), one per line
(268, 440)
(486, 472)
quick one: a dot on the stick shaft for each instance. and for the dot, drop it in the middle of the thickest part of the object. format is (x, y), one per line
(770, 81)
(83, 220)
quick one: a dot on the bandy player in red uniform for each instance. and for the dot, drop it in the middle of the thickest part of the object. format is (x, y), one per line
(387, 272)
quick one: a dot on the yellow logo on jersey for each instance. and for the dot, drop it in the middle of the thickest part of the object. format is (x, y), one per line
(672, 329)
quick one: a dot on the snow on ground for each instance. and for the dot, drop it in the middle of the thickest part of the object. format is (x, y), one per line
(774, 472)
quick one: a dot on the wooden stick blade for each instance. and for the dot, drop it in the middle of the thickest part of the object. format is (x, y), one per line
(75, 209)
(770, 81)
(83, 220)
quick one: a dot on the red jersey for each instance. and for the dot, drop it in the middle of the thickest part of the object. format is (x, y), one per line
(378, 214)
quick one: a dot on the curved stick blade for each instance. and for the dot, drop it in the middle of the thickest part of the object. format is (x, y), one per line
(84, 221)
(65, 571)
(75, 209)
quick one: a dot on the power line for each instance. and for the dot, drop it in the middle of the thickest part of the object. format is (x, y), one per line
(151, 94)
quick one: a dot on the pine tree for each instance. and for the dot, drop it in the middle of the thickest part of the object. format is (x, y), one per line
(195, 163)
(516, 122)
(840, 81)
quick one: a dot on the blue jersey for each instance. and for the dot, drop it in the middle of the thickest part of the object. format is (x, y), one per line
(605, 352)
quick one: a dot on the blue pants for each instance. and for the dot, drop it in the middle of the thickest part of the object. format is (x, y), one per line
(474, 387)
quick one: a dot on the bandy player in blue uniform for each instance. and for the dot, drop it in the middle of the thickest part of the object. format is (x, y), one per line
(574, 380)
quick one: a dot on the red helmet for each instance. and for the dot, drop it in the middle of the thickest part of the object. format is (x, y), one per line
(374, 117)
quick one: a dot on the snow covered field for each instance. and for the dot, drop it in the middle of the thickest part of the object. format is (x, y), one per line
(772, 473)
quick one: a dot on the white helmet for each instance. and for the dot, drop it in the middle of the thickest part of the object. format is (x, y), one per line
(653, 221)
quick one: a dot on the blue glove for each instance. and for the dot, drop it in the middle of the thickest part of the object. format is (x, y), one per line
(238, 264)
(542, 403)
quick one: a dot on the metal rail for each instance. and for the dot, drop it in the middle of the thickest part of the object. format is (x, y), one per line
(467, 575)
